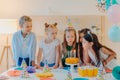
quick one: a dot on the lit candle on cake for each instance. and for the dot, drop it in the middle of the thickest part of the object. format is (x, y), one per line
(74, 52)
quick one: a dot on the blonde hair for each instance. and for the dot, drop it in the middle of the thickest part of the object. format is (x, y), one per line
(53, 26)
(64, 44)
(23, 19)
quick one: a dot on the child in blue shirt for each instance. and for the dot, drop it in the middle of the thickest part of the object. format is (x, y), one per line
(24, 43)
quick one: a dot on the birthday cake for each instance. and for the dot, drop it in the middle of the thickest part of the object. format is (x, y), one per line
(88, 71)
(72, 60)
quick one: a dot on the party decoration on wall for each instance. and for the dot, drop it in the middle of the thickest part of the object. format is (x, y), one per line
(103, 5)
(114, 34)
(116, 72)
(95, 29)
(114, 14)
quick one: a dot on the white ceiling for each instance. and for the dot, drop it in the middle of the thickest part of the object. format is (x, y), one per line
(16, 8)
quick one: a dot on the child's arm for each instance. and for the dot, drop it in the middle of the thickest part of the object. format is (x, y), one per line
(108, 52)
(60, 63)
(15, 57)
(78, 54)
(39, 57)
(60, 60)
(57, 56)
(33, 51)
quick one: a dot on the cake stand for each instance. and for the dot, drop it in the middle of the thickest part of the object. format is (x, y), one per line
(71, 66)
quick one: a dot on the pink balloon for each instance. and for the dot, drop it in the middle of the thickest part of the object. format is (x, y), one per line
(114, 13)
(118, 1)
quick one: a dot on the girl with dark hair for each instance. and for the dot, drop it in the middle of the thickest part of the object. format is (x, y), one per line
(92, 52)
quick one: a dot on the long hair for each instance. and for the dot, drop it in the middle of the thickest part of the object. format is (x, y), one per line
(84, 31)
(64, 44)
(91, 38)
(80, 48)
(96, 45)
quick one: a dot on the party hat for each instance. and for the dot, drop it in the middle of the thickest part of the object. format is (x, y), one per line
(46, 67)
(24, 73)
(69, 22)
(24, 65)
(69, 76)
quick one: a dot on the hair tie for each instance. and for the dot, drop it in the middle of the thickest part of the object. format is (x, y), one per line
(46, 25)
(88, 32)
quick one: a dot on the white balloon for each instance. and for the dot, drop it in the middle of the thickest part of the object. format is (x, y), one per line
(118, 1)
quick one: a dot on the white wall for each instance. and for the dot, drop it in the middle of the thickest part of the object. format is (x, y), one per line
(113, 45)
(16, 8)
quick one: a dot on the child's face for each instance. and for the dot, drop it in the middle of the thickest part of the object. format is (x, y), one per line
(81, 35)
(86, 44)
(52, 33)
(26, 27)
(70, 37)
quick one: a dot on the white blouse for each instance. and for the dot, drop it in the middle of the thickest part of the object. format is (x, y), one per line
(110, 64)
(49, 50)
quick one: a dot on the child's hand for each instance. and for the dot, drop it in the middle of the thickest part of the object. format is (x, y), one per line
(37, 66)
(61, 66)
(104, 62)
(41, 68)
(79, 65)
(55, 66)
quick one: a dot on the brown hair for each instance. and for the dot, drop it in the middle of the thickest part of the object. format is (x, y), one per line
(64, 44)
(84, 31)
(80, 48)
(23, 19)
(91, 37)
(47, 26)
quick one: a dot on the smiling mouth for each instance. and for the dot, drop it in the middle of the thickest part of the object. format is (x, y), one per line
(70, 41)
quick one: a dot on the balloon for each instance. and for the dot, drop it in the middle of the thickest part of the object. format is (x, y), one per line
(114, 34)
(118, 1)
(116, 72)
(108, 4)
(114, 2)
(114, 13)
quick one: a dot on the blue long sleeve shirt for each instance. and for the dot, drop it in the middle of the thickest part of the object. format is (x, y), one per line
(24, 47)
